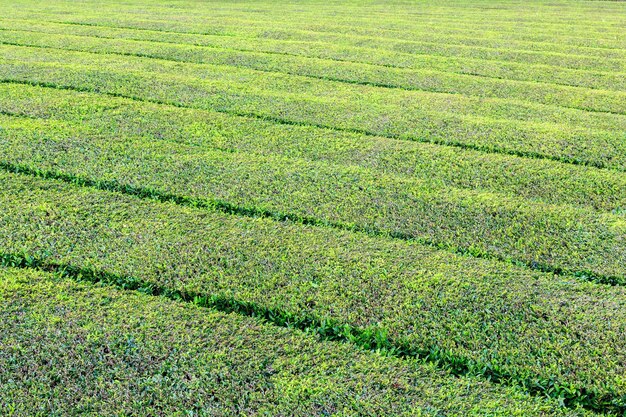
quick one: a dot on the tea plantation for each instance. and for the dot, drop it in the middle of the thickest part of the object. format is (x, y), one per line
(313, 208)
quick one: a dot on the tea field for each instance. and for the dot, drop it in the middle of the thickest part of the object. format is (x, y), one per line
(313, 208)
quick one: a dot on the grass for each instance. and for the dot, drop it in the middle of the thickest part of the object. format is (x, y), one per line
(406, 211)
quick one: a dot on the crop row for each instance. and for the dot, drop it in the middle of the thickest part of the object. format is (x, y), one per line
(558, 336)
(499, 54)
(242, 53)
(558, 238)
(308, 31)
(561, 15)
(142, 355)
(123, 119)
(487, 124)
(604, 34)
(393, 59)
(294, 34)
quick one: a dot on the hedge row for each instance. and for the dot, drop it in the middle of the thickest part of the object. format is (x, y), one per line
(242, 52)
(436, 105)
(553, 335)
(542, 180)
(568, 135)
(599, 29)
(440, 49)
(398, 60)
(293, 32)
(72, 348)
(559, 238)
